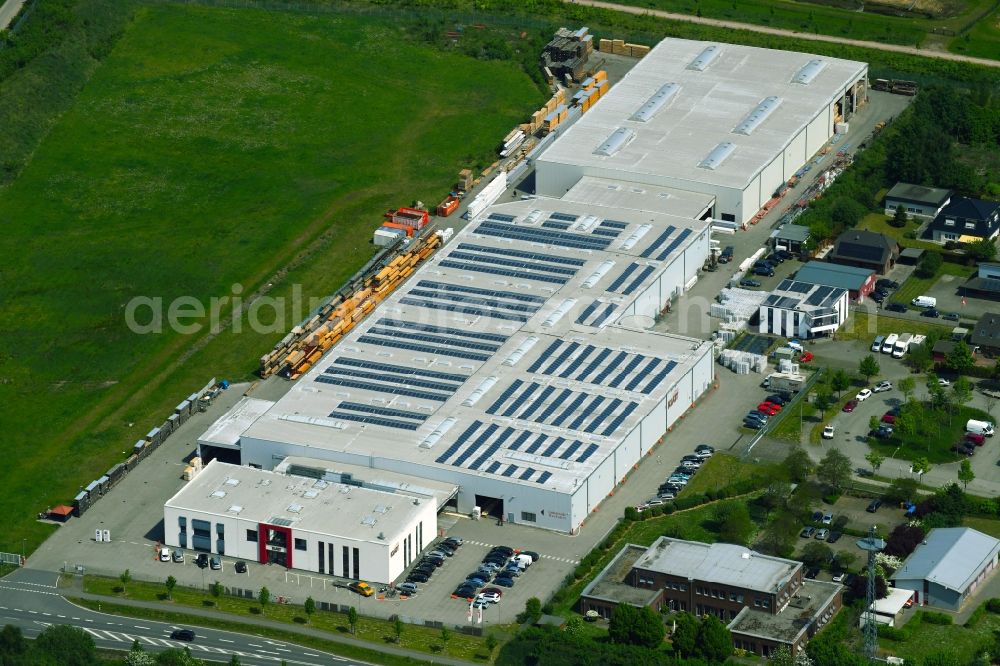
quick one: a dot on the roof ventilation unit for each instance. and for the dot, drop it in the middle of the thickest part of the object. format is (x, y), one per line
(809, 72)
(705, 58)
(438, 433)
(294, 508)
(615, 142)
(758, 116)
(559, 312)
(655, 103)
(636, 236)
(521, 350)
(600, 272)
(480, 391)
(718, 156)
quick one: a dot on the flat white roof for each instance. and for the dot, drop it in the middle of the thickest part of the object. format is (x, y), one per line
(732, 109)
(227, 428)
(636, 196)
(299, 502)
(894, 602)
(502, 356)
(722, 563)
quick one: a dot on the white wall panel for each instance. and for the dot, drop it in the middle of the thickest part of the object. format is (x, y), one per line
(819, 131)
(771, 178)
(796, 154)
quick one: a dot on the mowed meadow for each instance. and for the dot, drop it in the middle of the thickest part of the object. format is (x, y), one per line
(212, 148)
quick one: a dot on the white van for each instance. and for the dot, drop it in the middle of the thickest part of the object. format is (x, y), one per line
(902, 345)
(889, 343)
(984, 428)
(877, 345)
(924, 302)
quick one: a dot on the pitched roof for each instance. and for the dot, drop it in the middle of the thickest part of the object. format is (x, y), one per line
(934, 196)
(792, 232)
(861, 245)
(985, 215)
(987, 330)
(834, 275)
(950, 556)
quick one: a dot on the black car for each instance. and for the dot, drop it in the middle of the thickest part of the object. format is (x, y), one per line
(201, 560)
(777, 399)
(930, 312)
(417, 577)
(704, 448)
(773, 259)
(878, 298)
(849, 579)
(864, 471)
(182, 635)
(896, 307)
(465, 591)
(886, 283)
(496, 557)
(817, 516)
(834, 537)
(506, 550)
(952, 316)
(763, 270)
(424, 569)
(749, 282)
(727, 255)
(812, 572)
(446, 547)
(874, 506)
(241, 567)
(752, 425)
(453, 541)
(884, 431)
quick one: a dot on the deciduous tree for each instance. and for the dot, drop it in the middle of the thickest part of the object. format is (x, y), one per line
(960, 357)
(715, 643)
(264, 598)
(309, 607)
(816, 553)
(125, 577)
(834, 470)
(65, 645)
(875, 459)
(965, 473)
(685, 635)
(982, 250)
(799, 465)
(929, 264)
(840, 381)
(734, 522)
(170, 584)
(868, 367)
(352, 619)
(906, 386)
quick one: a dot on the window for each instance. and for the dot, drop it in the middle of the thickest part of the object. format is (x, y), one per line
(220, 546)
(970, 225)
(739, 598)
(322, 552)
(728, 217)
(756, 602)
(347, 562)
(683, 587)
(220, 530)
(182, 523)
(202, 539)
(732, 596)
(949, 222)
(765, 603)
(527, 516)
(252, 536)
(300, 544)
(357, 561)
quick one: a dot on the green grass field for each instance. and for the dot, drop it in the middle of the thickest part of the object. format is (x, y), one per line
(212, 148)
(952, 641)
(723, 470)
(936, 447)
(864, 326)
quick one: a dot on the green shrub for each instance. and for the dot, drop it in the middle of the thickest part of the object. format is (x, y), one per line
(976, 616)
(892, 633)
(993, 605)
(932, 617)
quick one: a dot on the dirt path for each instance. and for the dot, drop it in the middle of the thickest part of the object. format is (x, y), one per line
(735, 25)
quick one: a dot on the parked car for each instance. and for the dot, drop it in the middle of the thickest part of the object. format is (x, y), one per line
(504, 581)
(704, 451)
(506, 550)
(840, 575)
(850, 405)
(749, 282)
(930, 312)
(952, 316)
(785, 254)
(763, 270)
(943, 382)
(415, 577)
(964, 448)
(768, 408)
(241, 567)
(864, 471)
(881, 387)
(532, 554)
(201, 560)
(828, 431)
(215, 562)
(464, 591)
(164, 554)
(896, 307)
(776, 399)
(408, 589)
(178, 556)
(807, 532)
(874, 505)
(182, 635)
(817, 516)
(883, 431)
(727, 255)
(752, 425)
(822, 534)
(886, 283)
(812, 572)
(863, 395)
(975, 438)
(827, 518)
(362, 588)
(834, 538)
(456, 541)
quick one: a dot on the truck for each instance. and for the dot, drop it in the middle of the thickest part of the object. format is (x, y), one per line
(902, 345)
(984, 428)
(789, 382)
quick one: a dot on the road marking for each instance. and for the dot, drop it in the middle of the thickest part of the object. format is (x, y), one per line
(75, 618)
(62, 616)
(254, 645)
(5, 608)
(282, 650)
(225, 640)
(49, 614)
(268, 651)
(19, 589)
(33, 612)
(139, 626)
(95, 634)
(147, 639)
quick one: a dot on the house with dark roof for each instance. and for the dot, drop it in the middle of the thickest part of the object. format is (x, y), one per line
(986, 334)
(859, 282)
(984, 284)
(965, 221)
(865, 249)
(916, 200)
(948, 566)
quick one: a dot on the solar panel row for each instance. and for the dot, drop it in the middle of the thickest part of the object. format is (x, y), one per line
(527, 308)
(380, 377)
(521, 275)
(535, 445)
(563, 355)
(610, 233)
(571, 368)
(562, 226)
(510, 470)
(638, 280)
(626, 371)
(371, 419)
(457, 444)
(513, 263)
(599, 319)
(587, 311)
(401, 369)
(631, 268)
(381, 411)
(554, 405)
(618, 420)
(474, 446)
(588, 411)
(570, 450)
(659, 241)
(673, 245)
(434, 339)
(591, 450)
(573, 406)
(505, 396)
(430, 328)
(526, 474)
(565, 217)
(521, 439)
(464, 309)
(426, 349)
(502, 217)
(494, 466)
(519, 400)
(537, 404)
(613, 224)
(592, 426)
(560, 238)
(538, 256)
(544, 477)
(593, 365)
(511, 295)
(609, 368)
(547, 354)
(554, 446)
(381, 388)
(642, 374)
(658, 379)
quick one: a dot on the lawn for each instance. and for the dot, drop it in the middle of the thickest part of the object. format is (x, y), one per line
(213, 148)
(723, 470)
(981, 40)
(917, 286)
(865, 326)
(956, 643)
(935, 446)
(879, 223)
(989, 526)
(414, 637)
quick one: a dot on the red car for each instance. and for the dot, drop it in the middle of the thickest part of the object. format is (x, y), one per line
(768, 408)
(851, 404)
(973, 438)
(888, 418)
(806, 357)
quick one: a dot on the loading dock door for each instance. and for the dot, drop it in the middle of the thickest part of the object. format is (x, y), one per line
(491, 506)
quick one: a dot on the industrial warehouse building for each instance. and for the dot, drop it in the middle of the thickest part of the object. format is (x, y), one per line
(734, 122)
(516, 364)
(948, 566)
(311, 519)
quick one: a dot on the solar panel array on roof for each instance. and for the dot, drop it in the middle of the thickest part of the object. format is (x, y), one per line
(543, 236)
(616, 285)
(859, 251)
(639, 279)
(492, 270)
(537, 256)
(564, 217)
(658, 241)
(553, 406)
(463, 309)
(577, 362)
(563, 226)
(501, 217)
(673, 244)
(391, 379)
(818, 296)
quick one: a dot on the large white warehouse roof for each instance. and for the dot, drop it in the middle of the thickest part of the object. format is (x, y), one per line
(704, 112)
(502, 355)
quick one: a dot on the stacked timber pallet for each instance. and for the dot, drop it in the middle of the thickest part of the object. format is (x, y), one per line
(306, 343)
(621, 47)
(566, 55)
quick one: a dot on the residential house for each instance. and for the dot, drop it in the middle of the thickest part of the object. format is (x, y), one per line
(986, 334)
(803, 310)
(865, 249)
(916, 200)
(985, 283)
(965, 221)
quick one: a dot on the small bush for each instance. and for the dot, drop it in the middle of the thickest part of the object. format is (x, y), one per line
(993, 605)
(976, 616)
(892, 633)
(931, 617)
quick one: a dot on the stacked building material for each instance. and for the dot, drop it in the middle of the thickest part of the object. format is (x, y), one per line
(742, 363)
(567, 53)
(621, 47)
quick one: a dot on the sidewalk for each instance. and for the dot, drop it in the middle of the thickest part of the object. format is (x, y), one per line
(250, 623)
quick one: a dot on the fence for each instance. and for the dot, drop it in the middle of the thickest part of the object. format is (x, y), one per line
(783, 414)
(13, 559)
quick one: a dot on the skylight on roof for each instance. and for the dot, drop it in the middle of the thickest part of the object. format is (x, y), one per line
(615, 142)
(656, 102)
(766, 107)
(219, 494)
(718, 155)
(705, 58)
(294, 508)
(809, 72)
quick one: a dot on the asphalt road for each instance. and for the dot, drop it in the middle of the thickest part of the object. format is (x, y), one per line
(735, 25)
(30, 600)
